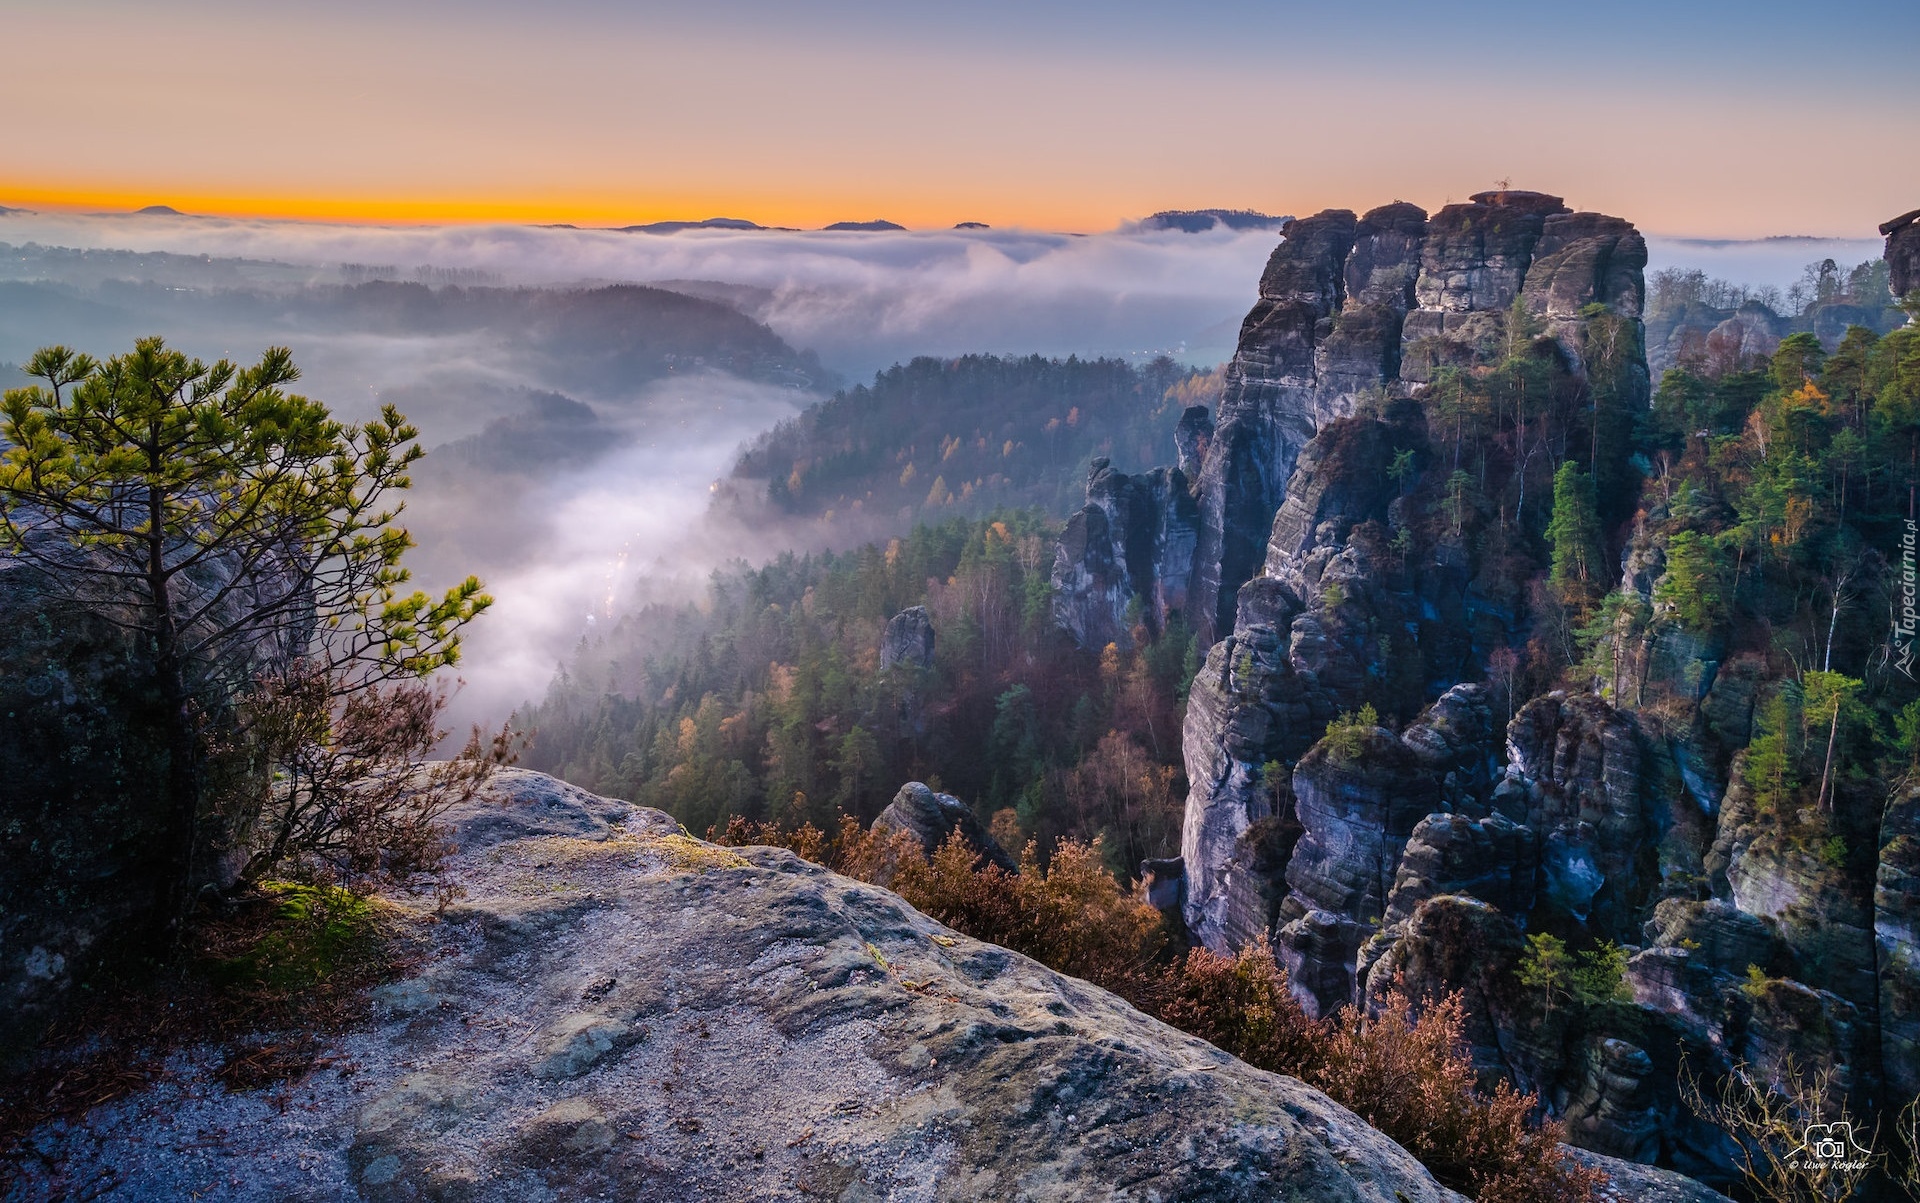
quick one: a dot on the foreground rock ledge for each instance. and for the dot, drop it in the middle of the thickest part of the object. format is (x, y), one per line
(617, 1010)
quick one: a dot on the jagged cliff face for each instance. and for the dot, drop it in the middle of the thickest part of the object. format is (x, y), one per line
(1303, 567)
(1132, 541)
(1326, 581)
(1903, 253)
(1353, 309)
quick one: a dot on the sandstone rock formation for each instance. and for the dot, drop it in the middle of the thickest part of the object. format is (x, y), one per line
(931, 819)
(1310, 859)
(1132, 542)
(1896, 931)
(1573, 775)
(1352, 311)
(908, 641)
(1618, 816)
(1903, 253)
(619, 1010)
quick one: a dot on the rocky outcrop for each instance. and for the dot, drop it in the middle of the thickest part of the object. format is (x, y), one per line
(1903, 253)
(618, 1010)
(1492, 859)
(1248, 712)
(1128, 550)
(1268, 409)
(1310, 859)
(908, 641)
(1192, 437)
(1896, 932)
(1359, 310)
(932, 818)
(1573, 776)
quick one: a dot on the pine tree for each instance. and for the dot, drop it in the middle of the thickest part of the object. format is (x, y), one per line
(1574, 532)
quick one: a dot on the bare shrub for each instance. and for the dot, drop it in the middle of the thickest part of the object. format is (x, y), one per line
(346, 798)
(1779, 1126)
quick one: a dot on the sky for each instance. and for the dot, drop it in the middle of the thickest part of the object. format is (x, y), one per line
(1694, 117)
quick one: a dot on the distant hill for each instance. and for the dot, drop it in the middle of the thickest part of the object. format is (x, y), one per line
(1199, 221)
(870, 227)
(972, 225)
(709, 223)
(937, 437)
(597, 341)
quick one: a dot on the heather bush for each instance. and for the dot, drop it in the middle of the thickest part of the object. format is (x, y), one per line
(1243, 1004)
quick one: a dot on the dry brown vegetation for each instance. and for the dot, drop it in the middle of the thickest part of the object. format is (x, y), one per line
(279, 970)
(1404, 1069)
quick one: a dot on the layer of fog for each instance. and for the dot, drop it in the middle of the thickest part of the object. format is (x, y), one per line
(570, 543)
(568, 539)
(862, 301)
(1758, 263)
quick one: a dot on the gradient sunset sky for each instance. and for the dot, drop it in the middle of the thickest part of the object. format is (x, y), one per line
(1709, 118)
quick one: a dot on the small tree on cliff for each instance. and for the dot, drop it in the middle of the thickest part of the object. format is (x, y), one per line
(235, 530)
(1574, 532)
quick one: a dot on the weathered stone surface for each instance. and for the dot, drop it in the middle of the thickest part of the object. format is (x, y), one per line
(1751, 334)
(1770, 866)
(1317, 949)
(931, 818)
(1573, 775)
(1452, 942)
(1191, 438)
(1476, 255)
(1493, 859)
(785, 1034)
(1339, 482)
(1896, 932)
(1385, 260)
(1718, 934)
(1903, 253)
(1355, 312)
(1132, 541)
(1268, 410)
(1634, 1183)
(909, 640)
(1357, 812)
(1613, 1107)
(1247, 707)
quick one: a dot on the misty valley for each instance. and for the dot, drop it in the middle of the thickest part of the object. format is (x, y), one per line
(1383, 704)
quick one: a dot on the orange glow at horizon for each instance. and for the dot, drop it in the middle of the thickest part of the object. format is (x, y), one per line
(617, 118)
(588, 209)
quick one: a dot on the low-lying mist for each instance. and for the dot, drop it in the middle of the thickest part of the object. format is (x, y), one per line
(572, 517)
(575, 441)
(860, 300)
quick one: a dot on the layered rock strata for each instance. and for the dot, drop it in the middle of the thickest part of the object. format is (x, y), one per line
(1352, 310)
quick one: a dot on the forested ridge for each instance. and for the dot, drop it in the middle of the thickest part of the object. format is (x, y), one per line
(933, 437)
(767, 700)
